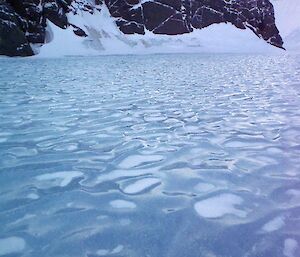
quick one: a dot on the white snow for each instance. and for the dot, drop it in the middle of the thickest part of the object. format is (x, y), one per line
(11, 245)
(122, 204)
(290, 247)
(141, 185)
(63, 43)
(105, 37)
(218, 206)
(274, 224)
(288, 22)
(137, 160)
(61, 179)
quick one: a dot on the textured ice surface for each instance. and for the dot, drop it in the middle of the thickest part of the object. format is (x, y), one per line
(205, 147)
(11, 245)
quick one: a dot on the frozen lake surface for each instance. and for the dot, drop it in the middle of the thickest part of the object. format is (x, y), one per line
(150, 156)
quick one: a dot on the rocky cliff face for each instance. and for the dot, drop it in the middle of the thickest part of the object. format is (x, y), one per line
(23, 22)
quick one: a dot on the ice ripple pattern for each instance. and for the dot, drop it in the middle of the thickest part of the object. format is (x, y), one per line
(163, 155)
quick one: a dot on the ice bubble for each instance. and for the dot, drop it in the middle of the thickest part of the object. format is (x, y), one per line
(11, 245)
(218, 206)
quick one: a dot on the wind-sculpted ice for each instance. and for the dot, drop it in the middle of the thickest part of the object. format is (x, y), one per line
(11, 245)
(162, 155)
(218, 206)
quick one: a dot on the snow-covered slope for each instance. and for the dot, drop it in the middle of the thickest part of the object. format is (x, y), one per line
(287, 15)
(104, 37)
(93, 27)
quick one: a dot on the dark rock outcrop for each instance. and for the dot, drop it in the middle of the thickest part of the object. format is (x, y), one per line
(13, 41)
(183, 16)
(23, 22)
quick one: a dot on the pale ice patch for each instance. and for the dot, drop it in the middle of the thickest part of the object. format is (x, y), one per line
(204, 187)
(117, 249)
(122, 204)
(290, 247)
(191, 129)
(105, 252)
(154, 118)
(119, 174)
(218, 206)
(125, 222)
(273, 224)
(294, 195)
(61, 179)
(33, 196)
(293, 192)
(11, 245)
(141, 185)
(137, 160)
